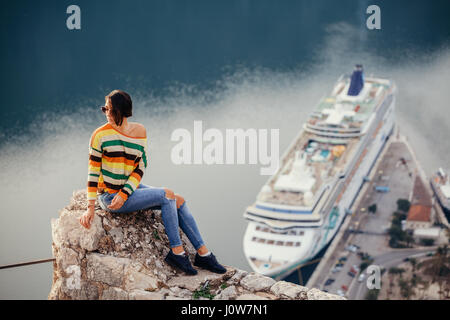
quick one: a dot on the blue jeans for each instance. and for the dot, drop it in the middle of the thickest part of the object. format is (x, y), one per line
(145, 197)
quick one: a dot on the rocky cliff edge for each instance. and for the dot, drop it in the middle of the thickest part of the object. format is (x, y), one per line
(122, 257)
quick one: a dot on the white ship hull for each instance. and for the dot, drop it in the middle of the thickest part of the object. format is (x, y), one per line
(306, 239)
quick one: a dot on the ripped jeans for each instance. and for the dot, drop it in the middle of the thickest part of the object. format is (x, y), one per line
(145, 197)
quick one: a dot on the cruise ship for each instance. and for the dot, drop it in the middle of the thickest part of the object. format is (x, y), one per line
(301, 207)
(440, 182)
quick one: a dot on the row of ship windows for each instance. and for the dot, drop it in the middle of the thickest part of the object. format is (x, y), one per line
(290, 232)
(276, 243)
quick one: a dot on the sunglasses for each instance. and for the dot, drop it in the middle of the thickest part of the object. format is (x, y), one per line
(104, 109)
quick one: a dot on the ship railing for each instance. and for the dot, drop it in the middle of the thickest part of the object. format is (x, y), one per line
(331, 134)
(333, 130)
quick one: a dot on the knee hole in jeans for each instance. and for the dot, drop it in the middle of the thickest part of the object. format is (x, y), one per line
(180, 200)
(169, 194)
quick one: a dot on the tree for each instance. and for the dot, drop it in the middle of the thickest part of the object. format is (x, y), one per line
(424, 285)
(372, 294)
(393, 243)
(406, 289)
(403, 205)
(396, 232)
(441, 269)
(413, 262)
(365, 263)
(409, 239)
(427, 242)
(395, 270)
(447, 288)
(391, 286)
(372, 208)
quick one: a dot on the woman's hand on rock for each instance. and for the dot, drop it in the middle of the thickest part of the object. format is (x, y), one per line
(87, 217)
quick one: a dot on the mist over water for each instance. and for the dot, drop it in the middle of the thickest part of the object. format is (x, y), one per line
(43, 167)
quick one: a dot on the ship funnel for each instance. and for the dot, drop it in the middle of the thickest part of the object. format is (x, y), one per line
(357, 81)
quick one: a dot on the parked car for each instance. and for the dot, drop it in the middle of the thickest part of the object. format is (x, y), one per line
(351, 274)
(336, 269)
(329, 281)
(382, 189)
(366, 256)
(361, 277)
(341, 259)
(340, 292)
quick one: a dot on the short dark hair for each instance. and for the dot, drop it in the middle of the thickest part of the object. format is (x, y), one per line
(122, 105)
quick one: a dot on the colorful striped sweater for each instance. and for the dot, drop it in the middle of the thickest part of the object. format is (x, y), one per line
(116, 162)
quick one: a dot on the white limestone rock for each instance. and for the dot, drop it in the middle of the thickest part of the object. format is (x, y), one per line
(289, 290)
(193, 283)
(236, 278)
(145, 295)
(106, 269)
(316, 294)
(117, 234)
(135, 279)
(179, 292)
(68, 231)
(114, 293)
(257, 282)
(250, 296)
(228, 293)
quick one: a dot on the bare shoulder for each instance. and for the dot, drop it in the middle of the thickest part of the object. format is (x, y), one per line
(139, 129)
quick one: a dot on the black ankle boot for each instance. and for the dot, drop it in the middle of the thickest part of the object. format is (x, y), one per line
(181, 262)
(209, 262)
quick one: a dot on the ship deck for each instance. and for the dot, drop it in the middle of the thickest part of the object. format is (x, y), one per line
(322, 170)
(328, 143)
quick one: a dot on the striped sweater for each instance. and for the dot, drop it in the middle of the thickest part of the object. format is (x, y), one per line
(116, 162)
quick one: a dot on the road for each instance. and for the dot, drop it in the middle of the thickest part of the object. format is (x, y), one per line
(369, 230)
(358, 290)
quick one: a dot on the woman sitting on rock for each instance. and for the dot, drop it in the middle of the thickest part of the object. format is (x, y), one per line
(117, 160)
